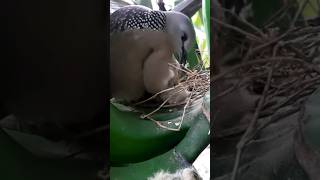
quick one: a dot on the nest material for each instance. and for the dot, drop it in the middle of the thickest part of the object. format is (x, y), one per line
(286, 61)
(195, 81)
(279, 65)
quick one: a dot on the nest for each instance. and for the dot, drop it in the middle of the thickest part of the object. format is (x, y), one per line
(196, 81)
(278, 65)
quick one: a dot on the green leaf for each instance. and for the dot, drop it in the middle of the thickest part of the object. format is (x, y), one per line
(196, 138)
(206, 20)
(143, 137)
(312, 8)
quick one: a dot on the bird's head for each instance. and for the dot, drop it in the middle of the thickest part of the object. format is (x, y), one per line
(180, 28)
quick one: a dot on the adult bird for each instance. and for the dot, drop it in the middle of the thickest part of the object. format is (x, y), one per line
(177, 25)
(142, 47)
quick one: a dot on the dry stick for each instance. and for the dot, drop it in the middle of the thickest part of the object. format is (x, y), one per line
(200, 61)
(161, 105)
(283, 15)
(249, 35)
(165, 127)
(157, 109)
(179, 68)
(188, 102)
(185, 107)
(294, 95)
(280, 115)
(169, 89)
(162, 126)
(154, 111)
(257, 49)
(227, 91)
(306, 30)
(275, 117)
(249, 75)
(184, 111)
(297, 51)
(268, 139)
(275, 15)
(288, 99)
(264, 60)
(253, 27)
(250, 129)
(275, 49)
(287, 86)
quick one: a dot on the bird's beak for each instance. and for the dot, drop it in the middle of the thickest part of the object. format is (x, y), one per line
(184, 55)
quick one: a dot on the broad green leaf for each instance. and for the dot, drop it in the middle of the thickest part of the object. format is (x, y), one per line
(195, 140)
(143, 137)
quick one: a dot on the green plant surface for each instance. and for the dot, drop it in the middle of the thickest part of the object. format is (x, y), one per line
(312, 8)
(206, 22)
(195, 140)
(133, 139)
(200, 23)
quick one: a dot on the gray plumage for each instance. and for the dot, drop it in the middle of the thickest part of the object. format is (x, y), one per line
(178, 26)
(137, 17)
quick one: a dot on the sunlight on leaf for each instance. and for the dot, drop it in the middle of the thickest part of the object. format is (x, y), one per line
(201, 37)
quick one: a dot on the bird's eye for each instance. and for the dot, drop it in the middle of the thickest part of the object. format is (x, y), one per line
(184, 37)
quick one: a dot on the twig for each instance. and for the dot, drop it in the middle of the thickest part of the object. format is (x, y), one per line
(152, 97)
(257, 49)
(244, 21)
(249, 35)
(275, 15)
(227, 91)
(162, 126)
(157, 109)
(179, 68)
(244, 139)
(261, 61)
(184, 111)
(161, 105)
